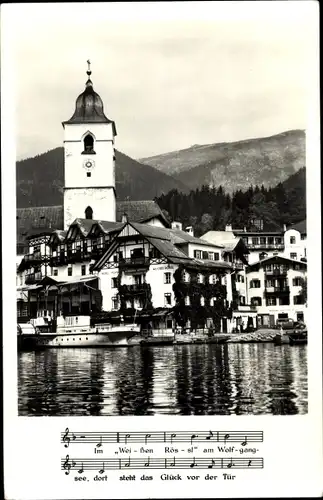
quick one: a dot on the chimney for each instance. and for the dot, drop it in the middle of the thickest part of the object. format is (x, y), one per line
(177, 225)
(245, 229)
(284, 228)
(228, 227)
(124, 217)
(190, 230)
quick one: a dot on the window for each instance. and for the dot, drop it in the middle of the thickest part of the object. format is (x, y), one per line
(283, 316)
(202, 301)
(297, 267)
(187, 300)
(292, 240)
(211, 256)
(242, 300)
(303, 236)
(213, 279)
(114, 282)
(271, 301)
(88, 213)
(256, 301)
(69, 271)
(216, 256)
(197, 254)
(88, 144)
(186, 277)
(55, 272)
(115, 303)
(278, 241)
(200, 278)
(242, 279)
(262, 241)
(138, 279)
(298, 300)
(168, 299)
(88, 174)
(255, 284)
(284, 301)
(270, 240)
(167, 278)
(83, 269)
(297, 281)
(255, 241)
(293, 255)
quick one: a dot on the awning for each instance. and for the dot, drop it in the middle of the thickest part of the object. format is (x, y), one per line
(26, 288)
(78, 279)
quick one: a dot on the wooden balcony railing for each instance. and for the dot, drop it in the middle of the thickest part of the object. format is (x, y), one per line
(134, 262)
(33, 278)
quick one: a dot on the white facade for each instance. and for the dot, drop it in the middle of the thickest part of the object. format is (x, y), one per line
(276, 305)
(295, 244)
(89, 178)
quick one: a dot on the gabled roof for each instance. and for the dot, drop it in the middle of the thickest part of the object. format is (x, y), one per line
(140, 211)
(300, 226)
(227, 239)
(166, 241)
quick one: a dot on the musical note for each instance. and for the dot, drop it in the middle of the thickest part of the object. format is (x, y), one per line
(210, 436)
(212, 464)
(173, 463)
(99, 444)
(245, 441)
(101, 471)
(146, 437)
(66, 438)
(148, 462)
(171, 437)
(193, 464)
(81, 470)
(127, 436)
(230, 464)
(127, 464)
(226, 437)
(193, 436)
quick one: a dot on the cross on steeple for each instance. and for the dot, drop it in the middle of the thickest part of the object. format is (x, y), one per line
(89, 67)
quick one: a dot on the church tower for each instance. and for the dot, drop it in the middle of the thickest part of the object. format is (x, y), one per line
(89, 160)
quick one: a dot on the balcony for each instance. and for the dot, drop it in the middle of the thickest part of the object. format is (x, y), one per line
(239, 266)
(134, 263)
(57, 260)
(265, 246)
(276, 272)
(135, 289)
(277, 290)
(33, 258)
(33, 278)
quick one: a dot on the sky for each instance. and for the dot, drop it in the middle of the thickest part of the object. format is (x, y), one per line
(170, 74)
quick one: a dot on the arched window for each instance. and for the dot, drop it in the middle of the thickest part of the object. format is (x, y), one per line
(88, 145)
(88, 213)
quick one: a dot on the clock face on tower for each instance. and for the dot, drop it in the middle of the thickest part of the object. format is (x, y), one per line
(88, 164)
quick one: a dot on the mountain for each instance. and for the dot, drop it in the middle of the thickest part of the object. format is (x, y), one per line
(236, 165)
(40, 180)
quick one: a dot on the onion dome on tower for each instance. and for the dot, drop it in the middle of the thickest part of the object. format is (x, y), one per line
(89, 106)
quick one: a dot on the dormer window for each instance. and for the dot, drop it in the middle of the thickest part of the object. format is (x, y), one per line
(88, 145)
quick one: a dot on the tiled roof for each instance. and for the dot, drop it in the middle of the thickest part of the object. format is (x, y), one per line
(300, 226)
(33, 220)
(176, 236)
(140, 211)
(274, 258)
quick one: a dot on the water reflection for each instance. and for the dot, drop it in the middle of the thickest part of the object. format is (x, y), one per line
(184, 380)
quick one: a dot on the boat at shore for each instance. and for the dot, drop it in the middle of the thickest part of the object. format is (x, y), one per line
(292, 333)
(73, 331)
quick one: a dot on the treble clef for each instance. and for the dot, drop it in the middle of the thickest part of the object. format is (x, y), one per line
(66, 438)
(67, 465)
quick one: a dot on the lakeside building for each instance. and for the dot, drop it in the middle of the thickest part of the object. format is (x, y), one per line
(112, 259)
(289, 241)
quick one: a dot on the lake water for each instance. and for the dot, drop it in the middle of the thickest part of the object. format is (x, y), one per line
(228, 379)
